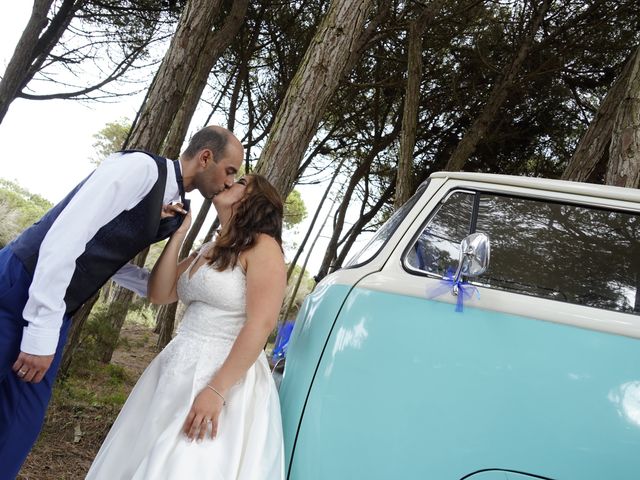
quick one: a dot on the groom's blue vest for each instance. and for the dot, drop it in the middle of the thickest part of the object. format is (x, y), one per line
(112, 246)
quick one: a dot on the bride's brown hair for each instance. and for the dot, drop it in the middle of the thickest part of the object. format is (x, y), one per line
(259, 211)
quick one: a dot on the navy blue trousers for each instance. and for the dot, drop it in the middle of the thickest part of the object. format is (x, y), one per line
(22, 405)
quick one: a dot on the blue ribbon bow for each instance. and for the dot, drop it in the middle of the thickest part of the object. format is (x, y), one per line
(465, 290)
(282, 341)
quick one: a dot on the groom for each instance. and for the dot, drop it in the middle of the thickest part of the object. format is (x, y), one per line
(58, 263)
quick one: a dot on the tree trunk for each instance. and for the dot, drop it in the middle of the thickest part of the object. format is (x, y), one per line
(624, 155)
(311, 89)
(339, 218)
(592, 151)
(214, 226)
(292, 299)
(166, 317)
(116, 314)
(357, 227)
(216, 43)
(496, 99)
(636, 305)
(313, 220)
(75, 330)
(404, 185)
(177, 70)
(166, 321)
(32, 48)
(14, 76)
(330, 254)
(180, 74)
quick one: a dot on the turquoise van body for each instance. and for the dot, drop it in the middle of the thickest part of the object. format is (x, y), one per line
(385, 378)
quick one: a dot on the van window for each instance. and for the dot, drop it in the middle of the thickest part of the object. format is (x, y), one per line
(570, 253)
(374, 245)
(438, 246)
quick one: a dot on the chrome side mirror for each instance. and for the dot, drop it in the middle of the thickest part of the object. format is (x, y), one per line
(475, 251)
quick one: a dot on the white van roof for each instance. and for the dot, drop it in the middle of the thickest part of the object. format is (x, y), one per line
(564, 186)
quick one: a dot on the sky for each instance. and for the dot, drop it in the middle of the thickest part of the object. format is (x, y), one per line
(46, 146)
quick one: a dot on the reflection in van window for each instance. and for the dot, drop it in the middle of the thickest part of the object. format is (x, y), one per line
(438, 246)
(564, 252)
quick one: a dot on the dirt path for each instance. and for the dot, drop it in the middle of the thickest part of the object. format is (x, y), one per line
(84, 408)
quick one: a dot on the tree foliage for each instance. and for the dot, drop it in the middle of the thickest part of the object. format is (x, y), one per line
(467, 52)
(78, 48)
(295, 210)
(106, 40)
(110, 138)
(19, 208)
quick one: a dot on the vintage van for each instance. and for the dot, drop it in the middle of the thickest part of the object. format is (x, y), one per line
(515, 358)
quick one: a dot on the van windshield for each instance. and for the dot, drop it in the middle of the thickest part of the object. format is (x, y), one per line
(373, 246)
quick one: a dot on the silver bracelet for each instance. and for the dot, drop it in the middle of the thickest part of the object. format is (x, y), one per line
(224, 402)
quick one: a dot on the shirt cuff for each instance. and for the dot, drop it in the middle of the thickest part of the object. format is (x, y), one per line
(39, 341)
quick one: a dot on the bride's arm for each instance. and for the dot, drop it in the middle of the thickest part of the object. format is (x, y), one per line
(266, 283)
(165, 273)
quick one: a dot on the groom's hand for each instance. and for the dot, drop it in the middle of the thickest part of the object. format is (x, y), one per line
(31, 368)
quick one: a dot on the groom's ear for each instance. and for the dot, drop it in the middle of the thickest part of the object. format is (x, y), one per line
(205, 157)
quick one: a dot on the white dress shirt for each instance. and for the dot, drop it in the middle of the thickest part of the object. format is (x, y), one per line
(118, 184)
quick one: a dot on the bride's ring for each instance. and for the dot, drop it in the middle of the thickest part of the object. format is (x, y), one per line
(208, 420)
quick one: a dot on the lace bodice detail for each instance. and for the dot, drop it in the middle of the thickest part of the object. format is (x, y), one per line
(213, 317)
(215, 301)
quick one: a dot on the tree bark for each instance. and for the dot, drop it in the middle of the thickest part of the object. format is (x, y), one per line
(497, 97)
(166, 321)
(177, 70)
(212, 229)
(624, 155)
(339, 218)
(75, 330)
(593, 149)
(404, 185)
(216, 43)
(311, 89)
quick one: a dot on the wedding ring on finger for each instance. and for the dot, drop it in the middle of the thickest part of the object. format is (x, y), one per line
(22, 373)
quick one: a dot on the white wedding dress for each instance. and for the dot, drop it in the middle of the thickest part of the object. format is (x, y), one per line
(146, 440)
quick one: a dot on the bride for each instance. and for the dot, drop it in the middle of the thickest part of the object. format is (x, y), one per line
(207, 406)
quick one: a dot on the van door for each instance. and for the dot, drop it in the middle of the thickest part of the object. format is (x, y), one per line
(539, 372)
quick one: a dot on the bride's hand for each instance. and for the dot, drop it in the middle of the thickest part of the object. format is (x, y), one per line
(184, 226)
(171, 210)
(203, 416)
